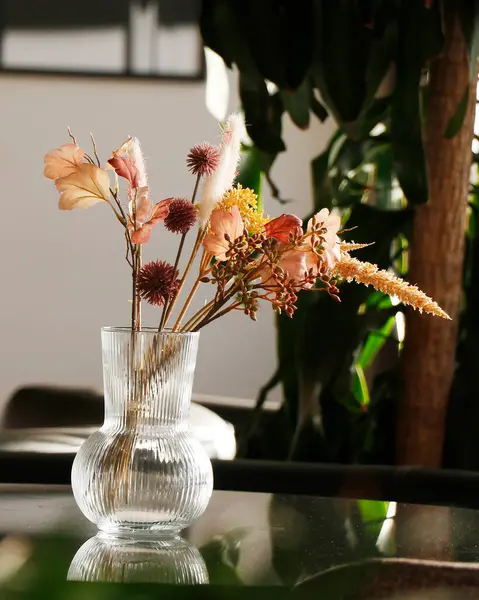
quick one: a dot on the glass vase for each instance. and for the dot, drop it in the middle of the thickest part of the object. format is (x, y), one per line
(143, 472)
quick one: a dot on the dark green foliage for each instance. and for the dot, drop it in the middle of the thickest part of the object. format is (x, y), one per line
(363, 62)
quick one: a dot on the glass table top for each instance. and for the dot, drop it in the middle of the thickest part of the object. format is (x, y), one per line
(294, 544)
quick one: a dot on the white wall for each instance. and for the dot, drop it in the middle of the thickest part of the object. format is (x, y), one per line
(63, 275)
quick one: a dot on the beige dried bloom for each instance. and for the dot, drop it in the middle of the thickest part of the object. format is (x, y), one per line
(350, 269)
(222, 178)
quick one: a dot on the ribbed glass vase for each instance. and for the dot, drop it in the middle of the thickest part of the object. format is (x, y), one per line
(143, 472)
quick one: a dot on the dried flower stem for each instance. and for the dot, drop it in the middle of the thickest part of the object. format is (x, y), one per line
(95, 151)
(201, 319)
(133, 297)
(217, 305)
(233, 289)
(187, 303)
(203, 271)
(350, 269)
(217, 315)
(205, 261)
(128, 249)
(197, 316)
(72, 136)
(121, 215)
(196, 247)
(133, 258)
(137, 296)
(169, 306)
(165, 312)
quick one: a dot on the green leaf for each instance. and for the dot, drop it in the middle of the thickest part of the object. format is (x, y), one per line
(318, 109)
(378, 112)
(218, 27)
(322, 194)
(380, 62)
(280, 37)
(320, 174)
(262, 25)
(373, 514)
(215, 18)
(263, 113)
(267, 161)
(456, 121)
(378, 300)
(383, 180)
(340, 58)
(374, 343)
(249, 175)
(359, 386)
(350, 171)
(406, 126)
(297, 104)
(297, 39)
(373, 511)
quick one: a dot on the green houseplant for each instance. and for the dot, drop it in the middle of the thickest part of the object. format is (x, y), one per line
(411, 67)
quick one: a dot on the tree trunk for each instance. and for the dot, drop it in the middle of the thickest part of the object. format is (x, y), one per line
(436, 259)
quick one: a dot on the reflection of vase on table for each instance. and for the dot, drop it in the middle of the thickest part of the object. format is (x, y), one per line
(109, 559)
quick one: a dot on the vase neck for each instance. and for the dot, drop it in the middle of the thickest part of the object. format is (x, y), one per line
(148, 412)
(148, 379)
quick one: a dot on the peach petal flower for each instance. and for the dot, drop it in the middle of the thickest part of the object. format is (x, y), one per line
(63, 161)
(144, 206)
(294, 264)
(83, 188)
(142, 233)
(223, 223)
(282, 226)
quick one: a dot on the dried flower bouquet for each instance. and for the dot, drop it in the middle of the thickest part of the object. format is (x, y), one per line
(244, 255)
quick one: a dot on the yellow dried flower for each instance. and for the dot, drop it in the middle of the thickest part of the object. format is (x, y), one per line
(247, 202)
(368, 274)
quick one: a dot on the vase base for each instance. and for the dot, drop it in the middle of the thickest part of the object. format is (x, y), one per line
(141, 525)
(139, 535)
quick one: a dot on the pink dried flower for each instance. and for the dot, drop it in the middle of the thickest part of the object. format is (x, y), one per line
(157, 281)
(203, 159)
(147, 216)
(181, 217)
(128, 162)
(125, 167)
(281, 227)
(226, 227)
(294, 264)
